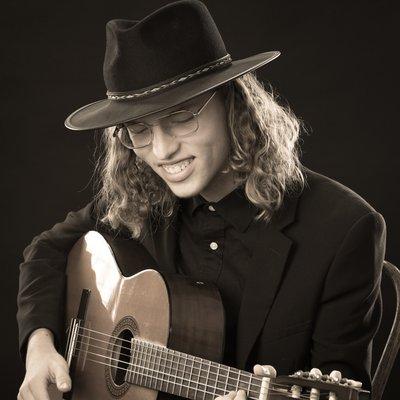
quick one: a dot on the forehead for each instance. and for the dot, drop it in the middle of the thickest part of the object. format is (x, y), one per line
(191, 105)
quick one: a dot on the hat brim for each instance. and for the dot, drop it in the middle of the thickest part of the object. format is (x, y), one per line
(105, 113)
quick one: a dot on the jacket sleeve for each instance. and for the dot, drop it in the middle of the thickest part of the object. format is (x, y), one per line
(350, 308)
(42, 276)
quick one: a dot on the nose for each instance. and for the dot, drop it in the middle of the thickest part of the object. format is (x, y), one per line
(164, 146)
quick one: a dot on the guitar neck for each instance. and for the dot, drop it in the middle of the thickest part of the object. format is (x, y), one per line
(170, 371)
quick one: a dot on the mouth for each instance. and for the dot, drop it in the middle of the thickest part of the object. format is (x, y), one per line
(180, 170)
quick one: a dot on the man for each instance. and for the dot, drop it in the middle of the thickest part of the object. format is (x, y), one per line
(201, 167)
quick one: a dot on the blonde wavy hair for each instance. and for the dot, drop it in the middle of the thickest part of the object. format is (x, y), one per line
(264, 156)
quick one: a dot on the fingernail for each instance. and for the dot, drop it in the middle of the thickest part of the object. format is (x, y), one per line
(64, 386)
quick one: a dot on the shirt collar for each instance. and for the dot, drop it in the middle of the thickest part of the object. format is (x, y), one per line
(234, 208)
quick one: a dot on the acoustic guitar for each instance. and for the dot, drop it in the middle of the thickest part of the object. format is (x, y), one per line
(133, 337)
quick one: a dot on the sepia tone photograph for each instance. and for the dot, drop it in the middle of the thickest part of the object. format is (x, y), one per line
(201, 200)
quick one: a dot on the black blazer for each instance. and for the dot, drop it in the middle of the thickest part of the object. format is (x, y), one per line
(311, 299)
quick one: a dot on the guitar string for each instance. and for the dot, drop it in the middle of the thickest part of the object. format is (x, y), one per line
(271, 390)
(139, 366)
(161, 349)
(140, 353)
(164, 350)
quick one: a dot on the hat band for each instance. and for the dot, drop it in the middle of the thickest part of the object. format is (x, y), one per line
(176, 81)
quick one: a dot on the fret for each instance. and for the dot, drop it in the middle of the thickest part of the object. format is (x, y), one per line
(153, 380)
(179, 371)
(146, 370)
(174, 375)
(185, 357)
(256, 385)
(198, 378)
(128, 374)
(249, 386)
(227, 379)
(216, 379)
(140, 368)
(222, 377)
(206, 383)
(213, 378)
(158, 368)
(190, 376)
(166, 372)
(134, 357)
(162, 368)
(151, 369)
(244, 381)
(232, 385)
(238, 381)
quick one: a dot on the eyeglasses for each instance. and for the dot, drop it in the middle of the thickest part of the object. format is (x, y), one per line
(136, 135)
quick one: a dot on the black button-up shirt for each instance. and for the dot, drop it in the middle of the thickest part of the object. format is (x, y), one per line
(211, 249)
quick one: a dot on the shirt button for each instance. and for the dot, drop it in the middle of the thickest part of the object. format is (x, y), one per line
(211, 208)
(213, 246)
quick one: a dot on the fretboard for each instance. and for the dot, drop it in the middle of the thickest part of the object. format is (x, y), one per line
(159, 368)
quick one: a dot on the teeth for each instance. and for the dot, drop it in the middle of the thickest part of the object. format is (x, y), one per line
(178, 167)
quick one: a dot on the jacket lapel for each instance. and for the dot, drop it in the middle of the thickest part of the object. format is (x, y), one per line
(270, 249)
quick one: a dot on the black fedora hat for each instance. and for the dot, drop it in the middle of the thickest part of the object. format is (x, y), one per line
(173, 55)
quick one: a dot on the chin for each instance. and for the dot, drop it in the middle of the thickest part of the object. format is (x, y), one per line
(185, 191)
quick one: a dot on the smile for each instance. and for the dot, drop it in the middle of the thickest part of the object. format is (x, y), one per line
(178, 167)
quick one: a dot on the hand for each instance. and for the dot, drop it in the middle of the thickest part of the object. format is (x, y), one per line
(43, 367)
(262, 370)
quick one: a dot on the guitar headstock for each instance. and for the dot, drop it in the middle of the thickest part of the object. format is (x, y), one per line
(314, 385)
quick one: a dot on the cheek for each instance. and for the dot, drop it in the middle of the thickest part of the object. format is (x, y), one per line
(145, 156)
(142, 155)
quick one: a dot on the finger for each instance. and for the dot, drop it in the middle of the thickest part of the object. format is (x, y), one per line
(61, 377)
(26, 394)
(39, 392)
(241, 395)
(264, 370)
(229, 396)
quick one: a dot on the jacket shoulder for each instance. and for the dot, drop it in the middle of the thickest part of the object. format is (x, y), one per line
(328, 199)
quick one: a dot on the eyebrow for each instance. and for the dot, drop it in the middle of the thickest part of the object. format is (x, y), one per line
(181, 106)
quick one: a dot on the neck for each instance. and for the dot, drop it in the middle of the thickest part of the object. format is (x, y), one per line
(170, 371)
(222, 185)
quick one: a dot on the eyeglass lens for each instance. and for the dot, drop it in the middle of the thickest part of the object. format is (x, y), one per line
(177, 124)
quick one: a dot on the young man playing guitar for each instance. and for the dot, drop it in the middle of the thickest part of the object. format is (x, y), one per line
(201, 166)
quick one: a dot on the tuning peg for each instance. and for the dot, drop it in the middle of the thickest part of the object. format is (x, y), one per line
(336, 376)
(356, 384)
(269, 370)
(315, 373)
(295, 392)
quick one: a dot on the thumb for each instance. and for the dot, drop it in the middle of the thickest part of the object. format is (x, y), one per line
(265, 370)
(61, 376)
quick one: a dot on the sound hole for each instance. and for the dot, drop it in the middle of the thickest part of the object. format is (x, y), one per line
(121, 357)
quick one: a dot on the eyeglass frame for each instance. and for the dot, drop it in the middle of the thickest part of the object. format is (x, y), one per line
(196, 114)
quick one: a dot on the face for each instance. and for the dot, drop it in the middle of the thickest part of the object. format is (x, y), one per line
(193, 164)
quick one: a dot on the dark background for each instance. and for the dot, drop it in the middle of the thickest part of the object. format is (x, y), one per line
(336, 72)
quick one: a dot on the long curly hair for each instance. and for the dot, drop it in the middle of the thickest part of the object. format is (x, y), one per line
(264, 156)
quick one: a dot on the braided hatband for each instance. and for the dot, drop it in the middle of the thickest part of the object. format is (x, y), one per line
(131, 95)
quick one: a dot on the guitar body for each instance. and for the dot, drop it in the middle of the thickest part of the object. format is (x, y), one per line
(171, 311)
